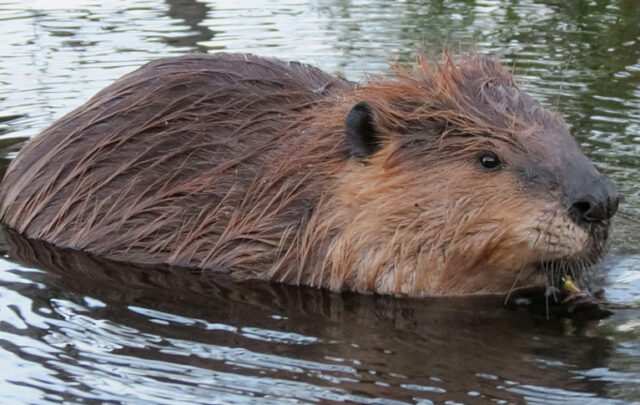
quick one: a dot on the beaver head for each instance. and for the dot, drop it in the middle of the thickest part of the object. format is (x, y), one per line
(460, 182)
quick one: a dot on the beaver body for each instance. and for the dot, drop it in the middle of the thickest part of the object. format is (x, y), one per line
(440, 180)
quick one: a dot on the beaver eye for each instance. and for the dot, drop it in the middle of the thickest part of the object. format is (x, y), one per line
(489, 161)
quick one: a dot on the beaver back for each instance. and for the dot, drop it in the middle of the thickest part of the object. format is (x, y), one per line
(151, 168)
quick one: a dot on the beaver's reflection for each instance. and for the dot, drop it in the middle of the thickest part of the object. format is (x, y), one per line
(452, 346)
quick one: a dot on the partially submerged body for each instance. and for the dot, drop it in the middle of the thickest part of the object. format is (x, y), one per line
(440, 180)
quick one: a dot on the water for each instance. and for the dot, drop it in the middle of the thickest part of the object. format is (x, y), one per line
(76, 329)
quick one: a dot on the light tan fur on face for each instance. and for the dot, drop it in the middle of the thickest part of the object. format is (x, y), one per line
(413, 231)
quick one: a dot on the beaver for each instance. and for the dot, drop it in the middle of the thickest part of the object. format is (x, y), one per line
(438, 179)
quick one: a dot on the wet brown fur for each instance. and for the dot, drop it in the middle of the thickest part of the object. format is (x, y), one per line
(239, 163)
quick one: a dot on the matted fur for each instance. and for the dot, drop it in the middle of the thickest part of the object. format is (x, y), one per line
(240, 163)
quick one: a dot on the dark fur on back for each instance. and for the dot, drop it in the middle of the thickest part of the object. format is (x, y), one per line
(169, 164)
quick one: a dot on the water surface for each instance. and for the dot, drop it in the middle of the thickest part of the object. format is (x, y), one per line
(77, 329)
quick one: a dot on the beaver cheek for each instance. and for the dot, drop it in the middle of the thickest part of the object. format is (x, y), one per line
(497, 273)
(511, 257)
(517, 239)
(547, 233)
(512, 266)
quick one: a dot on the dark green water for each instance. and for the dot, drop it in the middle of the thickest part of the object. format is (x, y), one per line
(77, 330)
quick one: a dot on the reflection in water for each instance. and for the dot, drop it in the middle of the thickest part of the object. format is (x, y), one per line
(193, 13)
(333, 346)
(81, 329)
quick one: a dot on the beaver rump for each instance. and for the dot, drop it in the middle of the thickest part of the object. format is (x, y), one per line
(444, 179)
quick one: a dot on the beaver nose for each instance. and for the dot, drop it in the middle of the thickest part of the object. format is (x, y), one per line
(597, 206)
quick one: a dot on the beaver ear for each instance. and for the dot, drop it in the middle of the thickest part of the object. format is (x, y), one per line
(362, 137)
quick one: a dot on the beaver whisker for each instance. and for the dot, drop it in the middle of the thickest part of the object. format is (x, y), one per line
(548, 269)
(515, 282)
(535, 243)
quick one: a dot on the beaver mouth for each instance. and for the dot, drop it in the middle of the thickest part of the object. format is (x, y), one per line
(580, 265)
(552, 272)
(565, 288)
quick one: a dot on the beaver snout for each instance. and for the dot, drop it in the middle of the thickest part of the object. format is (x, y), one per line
(597, 203)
